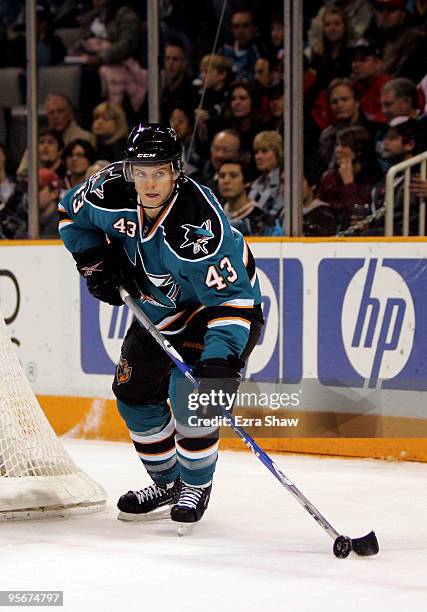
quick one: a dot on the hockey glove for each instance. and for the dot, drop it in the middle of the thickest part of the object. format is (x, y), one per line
(220, 379)
(99, 266)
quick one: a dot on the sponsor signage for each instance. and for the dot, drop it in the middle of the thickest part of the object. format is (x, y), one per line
(336, 319)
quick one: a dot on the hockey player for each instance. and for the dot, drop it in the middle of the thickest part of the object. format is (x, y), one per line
(142, 224)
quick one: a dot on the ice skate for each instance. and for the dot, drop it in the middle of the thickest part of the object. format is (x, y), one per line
(149, 504)
(190, 507)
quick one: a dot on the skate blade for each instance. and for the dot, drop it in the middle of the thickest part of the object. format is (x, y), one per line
(161, 514)
(185, 529)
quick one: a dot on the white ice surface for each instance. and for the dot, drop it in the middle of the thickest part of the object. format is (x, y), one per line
(256, 548)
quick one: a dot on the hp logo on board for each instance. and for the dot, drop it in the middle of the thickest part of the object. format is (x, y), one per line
(372, 323)
(377, 322)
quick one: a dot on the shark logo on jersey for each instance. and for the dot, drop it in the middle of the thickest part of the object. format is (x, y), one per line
(98, 181)
(164, 292)
(197, 236)
(160, 290)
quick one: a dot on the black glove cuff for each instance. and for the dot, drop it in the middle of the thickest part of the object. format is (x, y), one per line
(219, 368)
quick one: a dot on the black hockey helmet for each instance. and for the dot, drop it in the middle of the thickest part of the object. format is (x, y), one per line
(152, 144)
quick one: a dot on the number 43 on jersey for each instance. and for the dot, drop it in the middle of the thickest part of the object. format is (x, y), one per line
(217, 279)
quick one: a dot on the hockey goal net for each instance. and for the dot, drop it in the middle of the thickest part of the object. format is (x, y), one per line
(37, 476)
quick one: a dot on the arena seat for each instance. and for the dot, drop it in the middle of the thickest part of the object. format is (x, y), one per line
(59, 79)
(12, 86)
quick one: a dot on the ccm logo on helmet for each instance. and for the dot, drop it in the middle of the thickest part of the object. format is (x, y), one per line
(146, 155)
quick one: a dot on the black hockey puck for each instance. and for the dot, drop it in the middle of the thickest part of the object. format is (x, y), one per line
(342, 547)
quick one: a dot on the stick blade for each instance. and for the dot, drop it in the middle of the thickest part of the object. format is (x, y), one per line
(366, 546)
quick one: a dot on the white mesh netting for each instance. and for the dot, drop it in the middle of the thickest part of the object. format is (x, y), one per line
(36, 472)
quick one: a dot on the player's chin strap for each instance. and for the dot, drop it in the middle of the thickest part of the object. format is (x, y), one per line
(365, 546)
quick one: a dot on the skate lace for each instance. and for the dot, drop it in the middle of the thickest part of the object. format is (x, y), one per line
(150, 492)
(190, 496)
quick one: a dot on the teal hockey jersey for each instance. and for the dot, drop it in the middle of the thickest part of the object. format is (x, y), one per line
(188, 262)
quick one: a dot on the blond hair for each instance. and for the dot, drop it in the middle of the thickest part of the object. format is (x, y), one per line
(270, 140)
(113, 111)
(219, 62)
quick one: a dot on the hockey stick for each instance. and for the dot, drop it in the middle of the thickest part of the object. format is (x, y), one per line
(343, 545)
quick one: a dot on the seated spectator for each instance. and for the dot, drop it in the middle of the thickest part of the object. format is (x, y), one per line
(401, 143)
(226, 144)
(311, 130)
(345, 107)
(112, 51)
(60, 117)
(349, 184)
(318, 218)
(242, 212)
(263, 73)
(265, 190)
(79, 155)
(180, 121)
(243, 52)
(359, 15)
(214, 72)
(50, 48)
(177, 89)
(277, 107)
(331, 56)
(263, 82)
(111, 130)
(7, 185)
(399, 98)
(275, 45)
(243, 113)
(51, 148)
(14, 217)
(403, 47)
(368, 79)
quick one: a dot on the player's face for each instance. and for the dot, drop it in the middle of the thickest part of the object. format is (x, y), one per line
(343, 103)
(154, 184)
(265, 159)
(231, 183)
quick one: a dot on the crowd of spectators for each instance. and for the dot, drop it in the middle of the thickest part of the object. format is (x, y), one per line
(365, 90)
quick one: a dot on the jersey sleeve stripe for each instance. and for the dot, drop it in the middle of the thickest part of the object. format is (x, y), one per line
(229, 321)
(239, 303)
(64, 223)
